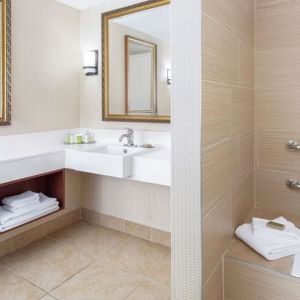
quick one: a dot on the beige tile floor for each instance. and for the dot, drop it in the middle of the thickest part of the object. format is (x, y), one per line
(87, 262)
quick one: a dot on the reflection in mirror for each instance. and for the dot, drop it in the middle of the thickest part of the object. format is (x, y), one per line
(136, 59)
(5, 15)
(140, 68)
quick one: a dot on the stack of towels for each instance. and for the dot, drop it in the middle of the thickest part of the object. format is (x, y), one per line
(20, 209)
(268, 242)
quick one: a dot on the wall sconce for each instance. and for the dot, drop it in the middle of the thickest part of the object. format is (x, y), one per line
(169, 76)
(90, 62)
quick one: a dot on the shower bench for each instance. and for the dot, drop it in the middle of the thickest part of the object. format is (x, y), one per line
(248, 276)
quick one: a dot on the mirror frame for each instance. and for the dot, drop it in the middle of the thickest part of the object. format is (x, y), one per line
(5, 119)
(106, 17)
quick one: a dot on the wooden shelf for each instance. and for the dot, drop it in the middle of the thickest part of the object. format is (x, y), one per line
(51, 184)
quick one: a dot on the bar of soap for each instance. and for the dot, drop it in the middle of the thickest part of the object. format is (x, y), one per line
(148, 146)
(275, 225)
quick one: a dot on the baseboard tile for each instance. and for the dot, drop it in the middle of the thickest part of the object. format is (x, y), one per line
(138, 230)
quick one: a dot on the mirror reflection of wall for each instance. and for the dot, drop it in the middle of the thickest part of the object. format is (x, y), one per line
(140, 76)
(139, 57)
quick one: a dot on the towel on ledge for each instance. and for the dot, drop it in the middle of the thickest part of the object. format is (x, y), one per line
(23, 199)
(269, 247)
(44, 202)
(28, 217)
(261, 229)
(296, 266)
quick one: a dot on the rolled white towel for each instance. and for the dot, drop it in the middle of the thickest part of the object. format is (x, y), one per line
(269, 246)
(260, 228)
(23, 199)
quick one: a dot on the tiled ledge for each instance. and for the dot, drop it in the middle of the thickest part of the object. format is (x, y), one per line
(134, 229)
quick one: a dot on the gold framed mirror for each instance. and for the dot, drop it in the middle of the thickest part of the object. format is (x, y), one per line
(136, 61)
(5, 100)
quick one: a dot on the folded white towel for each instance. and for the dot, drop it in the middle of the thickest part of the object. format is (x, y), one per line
(269, 246)
(296, 266)
(6, 216)
(260, 228)
(23, 199)
(29, 217)
(22, 209)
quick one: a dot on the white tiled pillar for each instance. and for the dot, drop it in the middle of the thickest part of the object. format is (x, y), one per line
(186, 150)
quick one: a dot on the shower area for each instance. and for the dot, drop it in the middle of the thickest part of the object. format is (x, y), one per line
(250, 167)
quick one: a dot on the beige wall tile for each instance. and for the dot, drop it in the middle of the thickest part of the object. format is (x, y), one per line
(217, 113)
(29, 236)
(213, 289)
(113, 222)
(273, 153)
(217, 233)
(246, 65)
(6, 247)
(57, 223)
(91, 216)
(275, 24)
(73, 190)
(273, 193)
(219, 10)
(161, 237)
(242, 199)
(218, 167)
(243, 19)
(236, 15)
(244, 281)
(220, 53)
(242, 111)
(277, 89)
(75, 215)
(138, 230)
(246, 154)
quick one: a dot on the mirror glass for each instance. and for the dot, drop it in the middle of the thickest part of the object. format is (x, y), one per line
(5, 62)
(136, 63)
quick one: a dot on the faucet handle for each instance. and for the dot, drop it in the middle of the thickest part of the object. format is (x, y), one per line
(129, 130)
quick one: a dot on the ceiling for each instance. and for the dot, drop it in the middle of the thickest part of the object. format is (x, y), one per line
(82, 4)
(147, 22)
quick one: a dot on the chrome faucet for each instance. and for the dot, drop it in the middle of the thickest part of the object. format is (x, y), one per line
(130, 138)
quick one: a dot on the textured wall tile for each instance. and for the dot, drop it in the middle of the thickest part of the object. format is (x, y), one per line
(213, 289)
(217, 233)
(246, 154)
(242, 199)
(218, 168)
(242, 111)
(142, 203)
(217, 113)
(45, 67)
(220, 53)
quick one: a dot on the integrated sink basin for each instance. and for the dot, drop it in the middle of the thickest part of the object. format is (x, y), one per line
(108, 160)
(118, 150)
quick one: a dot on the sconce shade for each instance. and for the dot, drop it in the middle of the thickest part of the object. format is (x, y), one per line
(169, 76)
(90, 62)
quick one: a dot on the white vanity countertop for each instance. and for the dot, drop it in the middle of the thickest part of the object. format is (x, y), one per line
(43, 152)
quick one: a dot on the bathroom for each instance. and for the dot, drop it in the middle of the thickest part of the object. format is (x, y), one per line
(107, 192)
